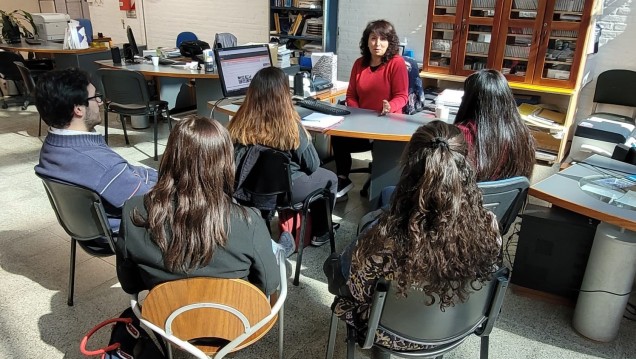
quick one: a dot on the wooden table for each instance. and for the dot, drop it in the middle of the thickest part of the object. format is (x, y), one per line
(173, 81)
(64, 58)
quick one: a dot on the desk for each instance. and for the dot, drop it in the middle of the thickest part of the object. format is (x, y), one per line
(390, 134)
(171, 80)
(611, 266)
(64, 58)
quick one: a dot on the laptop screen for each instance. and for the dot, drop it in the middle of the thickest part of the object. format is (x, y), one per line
(238, 65)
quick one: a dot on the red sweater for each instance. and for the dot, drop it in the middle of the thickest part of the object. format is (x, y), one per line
(389, 82)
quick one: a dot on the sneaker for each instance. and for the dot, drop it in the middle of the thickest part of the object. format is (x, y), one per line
(344, 186)
(318, 241)
(287, 244)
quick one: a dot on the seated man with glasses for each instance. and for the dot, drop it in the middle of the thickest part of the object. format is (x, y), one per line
(73, 152)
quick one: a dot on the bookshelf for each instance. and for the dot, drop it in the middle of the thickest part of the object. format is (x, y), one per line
(311, 23)
(539, 45)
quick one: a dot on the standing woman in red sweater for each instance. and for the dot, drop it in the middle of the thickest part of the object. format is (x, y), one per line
(379, 81)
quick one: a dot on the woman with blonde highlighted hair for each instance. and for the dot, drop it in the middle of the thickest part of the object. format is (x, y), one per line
(268, 118)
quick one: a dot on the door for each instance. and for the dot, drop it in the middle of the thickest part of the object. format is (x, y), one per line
(478, 30)
(563, 40)
(520, 27)
(442, 35)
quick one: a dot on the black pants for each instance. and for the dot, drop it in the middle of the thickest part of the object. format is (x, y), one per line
(305, 184)
(343, 147)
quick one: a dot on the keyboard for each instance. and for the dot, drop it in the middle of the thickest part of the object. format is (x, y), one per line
(323, 107)
(32, 41)
(163, 61)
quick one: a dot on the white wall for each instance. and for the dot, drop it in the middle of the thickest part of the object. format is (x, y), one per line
(408, 17)
(165, 19)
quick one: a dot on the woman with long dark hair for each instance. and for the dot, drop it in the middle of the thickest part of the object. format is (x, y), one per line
(436, 235)
(500, 144)
(379, 81)
(268, 118)
(188, 225)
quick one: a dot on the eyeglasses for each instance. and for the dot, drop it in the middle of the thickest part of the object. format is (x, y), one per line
(99, 98)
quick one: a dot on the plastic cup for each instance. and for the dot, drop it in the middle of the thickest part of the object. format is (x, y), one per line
(155, 61)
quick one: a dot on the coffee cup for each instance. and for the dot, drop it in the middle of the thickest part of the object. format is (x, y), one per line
(442, 113)
(155, 61)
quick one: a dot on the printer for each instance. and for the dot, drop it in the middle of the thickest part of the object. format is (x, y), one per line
(51, 26)
(599, 135)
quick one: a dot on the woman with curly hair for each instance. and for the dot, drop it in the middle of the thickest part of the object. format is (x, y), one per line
(379, 81)
(435, 235)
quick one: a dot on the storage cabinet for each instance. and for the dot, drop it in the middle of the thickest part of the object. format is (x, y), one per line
(537, 42)
(314, 22)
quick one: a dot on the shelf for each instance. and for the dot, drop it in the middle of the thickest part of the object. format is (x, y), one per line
(520, 35)
(554, 62)
(476, 54)
(441, 52)
(563, 38)
(301, 9)
(298, 37)
(480, 32)
(516, 58)
(513, 85)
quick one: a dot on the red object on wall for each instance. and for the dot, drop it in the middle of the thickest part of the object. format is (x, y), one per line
(126, 5)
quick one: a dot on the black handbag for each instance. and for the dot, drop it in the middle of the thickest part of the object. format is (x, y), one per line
(193, 48)
(127, 340)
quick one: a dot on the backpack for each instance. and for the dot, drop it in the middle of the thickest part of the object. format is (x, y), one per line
(415, 102)
(128, 340)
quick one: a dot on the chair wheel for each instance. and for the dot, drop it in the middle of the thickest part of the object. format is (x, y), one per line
(24, 108)
(364, 192)
(5, 106)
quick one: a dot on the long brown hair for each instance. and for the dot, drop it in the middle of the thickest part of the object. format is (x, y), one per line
(267, 116)
(189, 207)
(504, 146)
(436, 226)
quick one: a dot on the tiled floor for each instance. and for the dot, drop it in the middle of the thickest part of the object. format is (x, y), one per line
(35, 321)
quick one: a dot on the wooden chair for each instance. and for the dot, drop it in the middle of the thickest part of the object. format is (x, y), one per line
(211, 316)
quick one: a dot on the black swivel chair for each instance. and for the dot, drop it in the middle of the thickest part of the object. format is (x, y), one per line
(427, 325)
(270, 178)
(81, 213)
(29, 89)
(126, 93)
(615, 87)
(9, 72)
(505, 198)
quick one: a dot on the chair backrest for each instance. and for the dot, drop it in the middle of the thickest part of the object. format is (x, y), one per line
(505, 198)
(79, 211)
(270, 176)
(616, 87)
(186, 36)
(410, 318)
(7, 65)
(415, 101)
(124, 86)
(181, 300)
(225, 39)
(27, 79)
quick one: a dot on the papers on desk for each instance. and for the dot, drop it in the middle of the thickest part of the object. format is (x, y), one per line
(319, 121)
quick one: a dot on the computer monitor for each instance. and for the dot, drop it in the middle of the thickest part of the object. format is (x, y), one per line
(132, 43)
(238, 65)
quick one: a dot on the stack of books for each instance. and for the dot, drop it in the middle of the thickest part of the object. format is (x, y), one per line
(284, 56)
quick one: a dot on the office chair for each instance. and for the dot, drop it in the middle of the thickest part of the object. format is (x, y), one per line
(28, 84)
(81, 213)
(186, 36)
(269, 186)
(505, 198)
(224, 39)
(9, 72)
(409, 317)
(615, 87)
(212, 316)
(126, 93)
